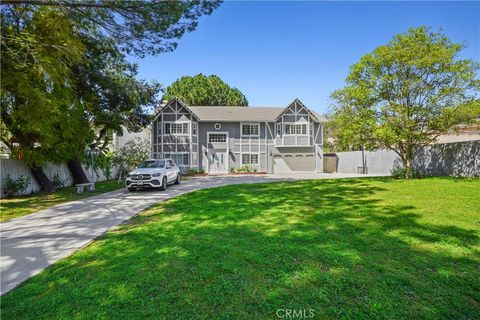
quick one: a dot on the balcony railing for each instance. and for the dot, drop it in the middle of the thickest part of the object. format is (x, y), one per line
(293, 141)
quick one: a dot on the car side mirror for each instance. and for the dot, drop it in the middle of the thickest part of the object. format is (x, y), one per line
(168, 167)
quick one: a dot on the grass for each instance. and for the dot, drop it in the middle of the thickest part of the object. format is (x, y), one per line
(16, 207)
(350, 249)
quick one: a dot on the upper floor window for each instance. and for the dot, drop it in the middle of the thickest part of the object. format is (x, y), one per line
(194, 128)
(279, 129)
(250, 129)
(217, 137)
(296, 129)
(176, 128)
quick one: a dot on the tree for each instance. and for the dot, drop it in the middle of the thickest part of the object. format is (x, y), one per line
(405, 94)
(112, 97)
(201, 90)
(52, 65)
(40, 116)
(140, 27)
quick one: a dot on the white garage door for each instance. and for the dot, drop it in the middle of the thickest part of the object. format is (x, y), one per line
(287, 163)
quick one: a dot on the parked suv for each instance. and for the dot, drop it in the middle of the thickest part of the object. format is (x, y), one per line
(155, 173)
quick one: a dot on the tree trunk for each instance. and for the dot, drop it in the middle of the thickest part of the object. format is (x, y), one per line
(76, 169)
(42, 179)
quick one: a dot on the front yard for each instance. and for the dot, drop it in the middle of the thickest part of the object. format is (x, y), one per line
(351, 248)
(16, 207)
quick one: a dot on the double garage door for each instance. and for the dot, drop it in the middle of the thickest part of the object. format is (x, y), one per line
(293, 162)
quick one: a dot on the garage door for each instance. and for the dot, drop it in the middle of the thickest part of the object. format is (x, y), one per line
(287, 163)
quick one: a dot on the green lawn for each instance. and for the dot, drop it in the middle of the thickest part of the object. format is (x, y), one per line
(15, 207)
(352, 248)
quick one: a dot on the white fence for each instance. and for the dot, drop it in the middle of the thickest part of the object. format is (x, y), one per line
(447, 159)
(16, 168)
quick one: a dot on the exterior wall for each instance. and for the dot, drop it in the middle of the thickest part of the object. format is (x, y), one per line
(447, 159)
(265, 145)
(16, 168)
(170, 144)
(450, 159)
(377, 162)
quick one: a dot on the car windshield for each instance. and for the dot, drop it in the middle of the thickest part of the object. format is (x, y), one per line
(152, 164)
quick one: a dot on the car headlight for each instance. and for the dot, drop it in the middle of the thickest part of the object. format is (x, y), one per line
(157, 174)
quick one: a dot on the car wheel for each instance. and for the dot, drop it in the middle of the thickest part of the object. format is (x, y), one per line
(131, 189)
(164, 184)
(177, 181)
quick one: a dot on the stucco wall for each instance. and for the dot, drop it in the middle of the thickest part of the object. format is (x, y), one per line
(16, 168)
(450, 159)
(447, 159)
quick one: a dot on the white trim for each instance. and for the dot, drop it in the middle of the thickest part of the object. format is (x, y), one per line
(250, 164)
(217, 132)
(176, 153)
(227, 149)
(177, 122)
(249, 135)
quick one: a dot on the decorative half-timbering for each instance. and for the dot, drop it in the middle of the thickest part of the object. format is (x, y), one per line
(223, 139)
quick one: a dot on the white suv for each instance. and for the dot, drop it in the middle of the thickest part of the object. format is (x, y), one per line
(155, 173)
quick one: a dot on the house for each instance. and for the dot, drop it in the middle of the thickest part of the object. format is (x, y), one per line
(223, 139)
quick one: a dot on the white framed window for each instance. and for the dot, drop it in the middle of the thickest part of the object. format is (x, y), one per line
(181, 159)
(250, 129)
(249, 158)
(194, 128)
(296, 129)
(176, 128)
(217, 137)
(279, 129)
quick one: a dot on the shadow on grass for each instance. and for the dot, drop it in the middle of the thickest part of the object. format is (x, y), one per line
(15, 207)
(245, 251)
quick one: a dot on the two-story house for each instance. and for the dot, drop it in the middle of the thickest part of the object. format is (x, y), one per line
(222, 139)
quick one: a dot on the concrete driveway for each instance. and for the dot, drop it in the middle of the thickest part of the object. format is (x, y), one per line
(31, 243)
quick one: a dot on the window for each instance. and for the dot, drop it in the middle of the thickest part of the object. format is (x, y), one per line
(194, 128)
(180, 159)
(217, 137)
(296, 129)
(249, 158)
(176, 128)
(152, 164)
(250, 129)
(279, 129)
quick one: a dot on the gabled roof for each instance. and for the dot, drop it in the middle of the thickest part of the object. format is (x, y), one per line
(314, 114)
(237, 113)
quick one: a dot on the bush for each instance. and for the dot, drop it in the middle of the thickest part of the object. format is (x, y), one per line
(57, 181)
(195, 171)
(15, 186)
(400, 172)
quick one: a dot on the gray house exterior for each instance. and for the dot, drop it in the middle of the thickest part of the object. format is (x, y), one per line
(223, 139)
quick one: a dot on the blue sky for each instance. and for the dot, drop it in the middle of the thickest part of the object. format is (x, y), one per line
(277, 51)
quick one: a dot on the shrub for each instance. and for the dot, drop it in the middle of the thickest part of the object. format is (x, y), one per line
(57, 181)
(400, 172)
(195, 171)
(15, 186)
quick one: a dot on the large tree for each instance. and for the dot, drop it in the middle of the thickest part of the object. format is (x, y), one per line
(41, 119)
(202, 90)
(405, 94)
(64, 75)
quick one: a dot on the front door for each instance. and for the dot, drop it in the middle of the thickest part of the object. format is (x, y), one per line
(218, 162)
